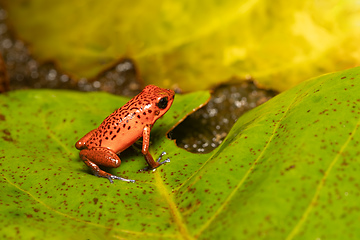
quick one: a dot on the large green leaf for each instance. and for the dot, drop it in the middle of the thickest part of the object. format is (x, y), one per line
(48, 192)
(287, 170)
(193, 44)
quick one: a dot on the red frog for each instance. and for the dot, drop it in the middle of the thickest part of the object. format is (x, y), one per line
(124, 127)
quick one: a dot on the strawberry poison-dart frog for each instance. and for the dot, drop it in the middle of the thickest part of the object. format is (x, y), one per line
(124, 127)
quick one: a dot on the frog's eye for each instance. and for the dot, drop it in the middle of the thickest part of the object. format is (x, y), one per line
(162, 104)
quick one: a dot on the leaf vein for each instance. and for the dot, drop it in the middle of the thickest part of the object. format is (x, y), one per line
(241, 182)
(321, 184)
(50, 208)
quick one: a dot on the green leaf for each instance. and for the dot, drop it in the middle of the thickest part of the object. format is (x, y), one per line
(288, 169)
(47, 191)
(193, 44)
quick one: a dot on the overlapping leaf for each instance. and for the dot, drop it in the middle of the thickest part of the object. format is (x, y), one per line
(193, 45)
(287, 170)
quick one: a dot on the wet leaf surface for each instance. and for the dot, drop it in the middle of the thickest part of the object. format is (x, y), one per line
(288, 169)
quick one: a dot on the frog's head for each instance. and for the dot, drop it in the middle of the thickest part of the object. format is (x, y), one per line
(161, 99)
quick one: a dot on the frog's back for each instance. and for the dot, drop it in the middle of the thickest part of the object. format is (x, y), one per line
(124, 126)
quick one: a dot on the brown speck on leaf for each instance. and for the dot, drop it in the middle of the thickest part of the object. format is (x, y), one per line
(7, 136)
(290, 167)
(324, 111)
(6, 132)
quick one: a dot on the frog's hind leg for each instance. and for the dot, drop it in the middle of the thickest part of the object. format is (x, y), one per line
(82, 142)
(104, 157)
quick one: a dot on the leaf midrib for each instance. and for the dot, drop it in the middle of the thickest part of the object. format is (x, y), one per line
(177, 217)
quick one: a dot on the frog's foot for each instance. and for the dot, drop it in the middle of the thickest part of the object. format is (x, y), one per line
(100, 173)
(160, 157)
(158, 161)
(111, 177)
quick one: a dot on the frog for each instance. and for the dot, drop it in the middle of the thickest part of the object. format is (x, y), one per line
(122, 128)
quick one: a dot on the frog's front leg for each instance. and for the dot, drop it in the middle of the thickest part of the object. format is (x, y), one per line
(158, 162)
(145, 150)
(104, 157)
